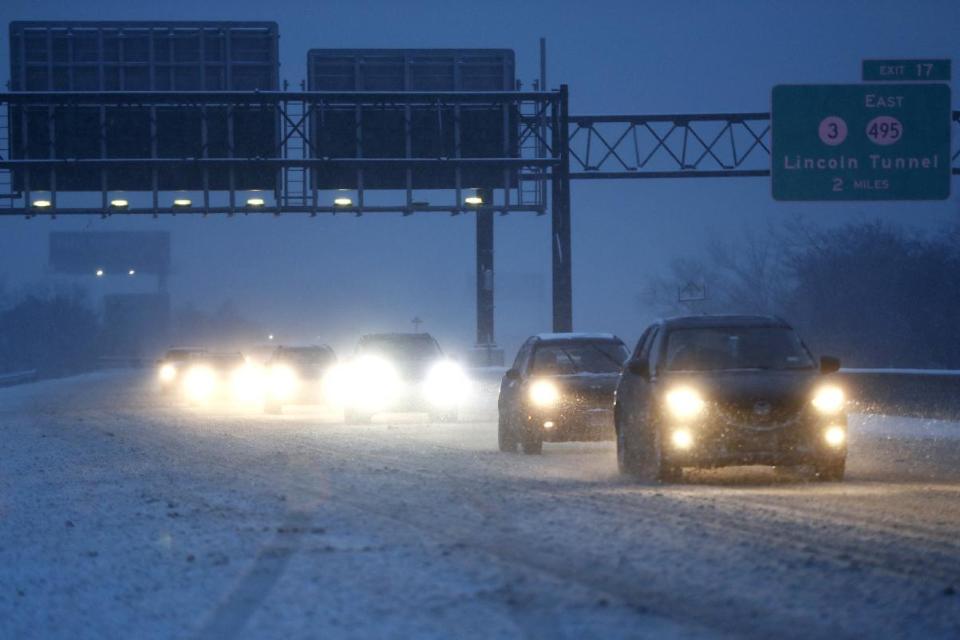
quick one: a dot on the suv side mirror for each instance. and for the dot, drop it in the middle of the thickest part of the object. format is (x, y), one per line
(640, 368)
(829, 364)
(512, 374)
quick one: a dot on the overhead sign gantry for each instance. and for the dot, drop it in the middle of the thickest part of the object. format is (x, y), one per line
(248, 148)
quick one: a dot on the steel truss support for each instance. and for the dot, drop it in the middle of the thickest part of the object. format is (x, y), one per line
(485, 279)
(561, 248)
(712, 145)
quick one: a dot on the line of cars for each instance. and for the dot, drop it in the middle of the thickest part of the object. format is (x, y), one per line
(389, 372)
(695, 392)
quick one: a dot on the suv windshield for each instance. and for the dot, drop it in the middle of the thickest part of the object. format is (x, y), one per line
(579, 357)
(417, 347)
(224, 360)
(179, 355)
(735, 348)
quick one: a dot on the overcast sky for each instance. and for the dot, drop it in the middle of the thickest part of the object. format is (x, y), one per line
(335, 277)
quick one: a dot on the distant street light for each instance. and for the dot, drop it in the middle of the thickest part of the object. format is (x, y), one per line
(477, 197)
(342, 199)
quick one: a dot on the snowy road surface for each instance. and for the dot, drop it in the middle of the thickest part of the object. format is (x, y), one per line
(122, 517)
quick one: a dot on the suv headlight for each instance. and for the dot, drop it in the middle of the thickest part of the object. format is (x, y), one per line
(829, 399)
(544, 393)
(167, 372)
(200, 383)
(684, 403)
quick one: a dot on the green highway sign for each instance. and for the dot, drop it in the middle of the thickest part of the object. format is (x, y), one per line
(861, 142)
(921, 70)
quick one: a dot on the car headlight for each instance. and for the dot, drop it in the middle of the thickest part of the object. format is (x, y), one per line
(283, 383)
(684, 403)
(167, 373)
(682, 439)
(199, 383)
(369, 383)
(446, 384)
(829, 399)
(835, 436)
(544, 393)
(247, 383)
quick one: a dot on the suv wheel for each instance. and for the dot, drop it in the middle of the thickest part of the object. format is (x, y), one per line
(639, 454)
(506, 438)
(626, 456)
(531, 441)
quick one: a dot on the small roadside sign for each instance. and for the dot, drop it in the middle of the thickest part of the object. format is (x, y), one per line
(915, 70)
(692, 292)
(861, 142)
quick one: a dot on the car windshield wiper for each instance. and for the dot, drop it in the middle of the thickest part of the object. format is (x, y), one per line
(573, 363)
(607, 356)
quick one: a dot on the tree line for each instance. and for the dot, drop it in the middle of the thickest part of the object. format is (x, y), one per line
(61, 331)
(869, 292)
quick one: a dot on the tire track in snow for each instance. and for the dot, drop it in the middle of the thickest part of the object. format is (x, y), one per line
(238, 605)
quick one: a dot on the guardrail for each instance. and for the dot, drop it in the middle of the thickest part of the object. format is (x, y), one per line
(927, 393)
(17, 377)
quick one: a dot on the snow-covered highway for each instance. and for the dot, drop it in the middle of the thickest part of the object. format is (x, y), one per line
(121, 516)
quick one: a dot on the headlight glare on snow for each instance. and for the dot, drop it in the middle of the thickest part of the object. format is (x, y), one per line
(829, 399)
(368, 383)
(199, 383)
(283, 382)
(246, 383)
(544, 393)
(684, 403)
(446, 384)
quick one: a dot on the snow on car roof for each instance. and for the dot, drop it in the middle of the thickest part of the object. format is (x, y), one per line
(723, 321)
(576, 336)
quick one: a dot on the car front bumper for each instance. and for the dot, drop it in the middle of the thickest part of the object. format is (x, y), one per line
(571, 423)
(802, 441)
(411, 397)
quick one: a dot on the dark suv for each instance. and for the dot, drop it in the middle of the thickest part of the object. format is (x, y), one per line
(712, 391)
(560, 389)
